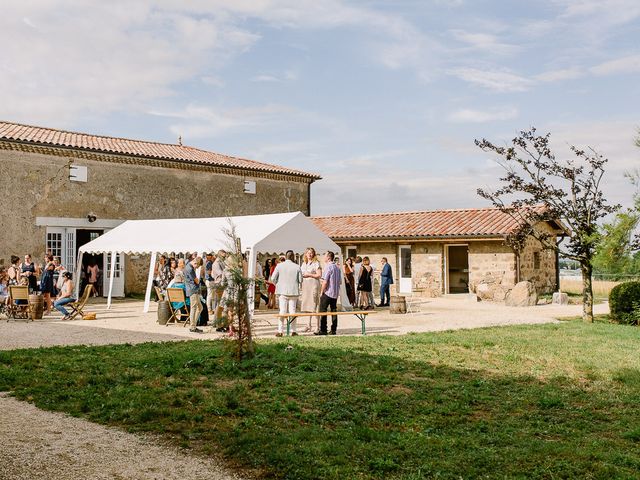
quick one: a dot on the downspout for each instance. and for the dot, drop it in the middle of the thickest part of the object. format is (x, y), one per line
(309, 198)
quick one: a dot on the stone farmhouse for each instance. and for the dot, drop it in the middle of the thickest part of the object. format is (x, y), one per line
(63, 189)
(446, 251)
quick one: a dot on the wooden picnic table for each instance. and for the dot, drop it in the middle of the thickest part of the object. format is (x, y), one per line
(360, 314)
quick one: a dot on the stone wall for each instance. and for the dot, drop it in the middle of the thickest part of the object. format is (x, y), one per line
(427, 260)
(489, 260)
(375, 252)
(492, 265)
(542, 275)
(38, 185)
(426, 264)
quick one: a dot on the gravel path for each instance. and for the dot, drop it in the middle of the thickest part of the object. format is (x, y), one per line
(45, 445)
(48, 333)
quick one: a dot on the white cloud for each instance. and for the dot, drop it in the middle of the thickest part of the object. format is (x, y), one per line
(286, 76)
(265, 78)
(399, 189)
(467, 115)
(624, 65)
(195, 122)
(103, 57)
(615, 140)
(212, 80)
(485, 42)
(375, 187)
(63, 60)
(606, 12)
(497, 80)
(560, 74)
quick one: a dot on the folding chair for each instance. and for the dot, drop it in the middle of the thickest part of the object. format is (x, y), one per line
(77, 306)
(159, 294)
(177, 295)
(18, 306)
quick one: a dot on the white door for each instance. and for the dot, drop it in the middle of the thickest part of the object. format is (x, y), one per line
(404, 277)
(118, 277)
(69, 260)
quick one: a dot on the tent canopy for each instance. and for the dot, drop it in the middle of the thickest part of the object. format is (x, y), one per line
(273, 233)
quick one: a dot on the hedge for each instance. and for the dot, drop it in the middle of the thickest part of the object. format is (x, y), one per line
(624, 299)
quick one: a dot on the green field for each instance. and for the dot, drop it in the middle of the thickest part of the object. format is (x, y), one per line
(549, 401)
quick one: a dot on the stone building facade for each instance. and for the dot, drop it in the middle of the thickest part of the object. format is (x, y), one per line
(62, 189)
(446, 251)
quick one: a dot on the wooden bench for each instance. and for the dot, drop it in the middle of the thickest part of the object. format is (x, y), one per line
(360, 314)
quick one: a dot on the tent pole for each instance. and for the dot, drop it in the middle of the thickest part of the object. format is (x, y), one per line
(147, 295)
(77, 273)
(251, 273)
(112, 274)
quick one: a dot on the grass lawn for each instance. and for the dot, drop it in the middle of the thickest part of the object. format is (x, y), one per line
(547, 401)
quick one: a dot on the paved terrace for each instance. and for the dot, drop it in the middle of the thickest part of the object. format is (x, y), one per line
(126, 323)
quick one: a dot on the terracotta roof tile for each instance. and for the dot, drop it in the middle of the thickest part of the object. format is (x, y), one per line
(473, 222)
(137, 148)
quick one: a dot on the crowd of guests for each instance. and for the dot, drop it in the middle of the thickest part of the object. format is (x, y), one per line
(282, 282)
(204, 282)
(49, 278)
(315, 287)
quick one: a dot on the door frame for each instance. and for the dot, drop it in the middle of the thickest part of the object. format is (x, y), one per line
(446, 263)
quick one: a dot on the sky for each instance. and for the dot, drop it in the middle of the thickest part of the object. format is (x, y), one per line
(382, 98)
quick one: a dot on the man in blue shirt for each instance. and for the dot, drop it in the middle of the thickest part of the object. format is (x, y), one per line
(330, 289)
(386, 279)
(192, 284)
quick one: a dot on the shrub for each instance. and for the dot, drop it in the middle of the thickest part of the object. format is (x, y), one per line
(624, 300)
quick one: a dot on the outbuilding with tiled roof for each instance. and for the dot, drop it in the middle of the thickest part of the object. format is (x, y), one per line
(440, 252)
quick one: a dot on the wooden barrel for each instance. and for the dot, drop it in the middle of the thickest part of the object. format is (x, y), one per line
(36, 306)
(164, 312)
(398, 305)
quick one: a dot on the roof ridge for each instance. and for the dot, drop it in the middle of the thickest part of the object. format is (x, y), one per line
(110, 137)
(379, 214)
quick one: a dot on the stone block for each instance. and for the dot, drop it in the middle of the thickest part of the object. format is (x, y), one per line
(522, 295)
(560, 298)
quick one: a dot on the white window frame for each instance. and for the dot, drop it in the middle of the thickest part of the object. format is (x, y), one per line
(399, 272)
(350, 247)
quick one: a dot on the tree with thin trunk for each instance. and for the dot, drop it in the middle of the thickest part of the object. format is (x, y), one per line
(537, 188)
(236, 297)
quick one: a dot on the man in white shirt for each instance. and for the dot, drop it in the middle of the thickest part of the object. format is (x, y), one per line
(287, 277)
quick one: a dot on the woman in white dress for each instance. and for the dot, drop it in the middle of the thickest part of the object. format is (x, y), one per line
(311, 274)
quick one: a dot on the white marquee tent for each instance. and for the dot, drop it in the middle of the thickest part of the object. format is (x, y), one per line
(274, 233)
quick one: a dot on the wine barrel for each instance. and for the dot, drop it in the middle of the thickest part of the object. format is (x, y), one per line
(36, 306)
(398, 305)
(164, 312)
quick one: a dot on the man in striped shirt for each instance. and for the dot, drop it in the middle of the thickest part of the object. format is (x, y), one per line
(331, 281)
